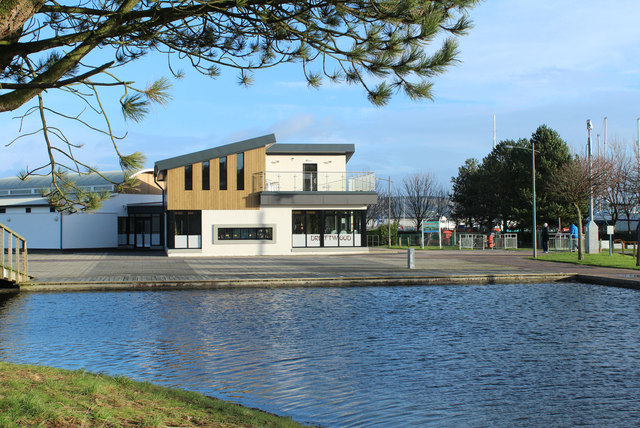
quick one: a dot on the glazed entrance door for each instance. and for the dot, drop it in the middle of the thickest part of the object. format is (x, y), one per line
(310, 177)
(143, 232)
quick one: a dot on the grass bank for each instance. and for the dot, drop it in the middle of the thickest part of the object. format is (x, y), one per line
(616, 260)
(47, 397)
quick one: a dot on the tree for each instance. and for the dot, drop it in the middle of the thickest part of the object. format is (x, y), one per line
(552, 154)
(380, 210)
(422, 196)
(46, 45)
(465, 192)
(499, 190)
(620, 195)
(575, 182)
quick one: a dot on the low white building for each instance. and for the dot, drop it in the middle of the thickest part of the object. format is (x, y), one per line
(125, 220)
(257, 197)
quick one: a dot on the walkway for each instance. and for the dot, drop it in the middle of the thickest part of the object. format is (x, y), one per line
(115, 270)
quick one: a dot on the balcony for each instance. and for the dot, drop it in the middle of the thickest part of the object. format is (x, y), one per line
(315, 188)
(273, 181)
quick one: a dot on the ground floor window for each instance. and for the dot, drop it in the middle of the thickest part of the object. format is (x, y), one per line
(322, 228)
(184, 229)
(245, 233)
(140, 230)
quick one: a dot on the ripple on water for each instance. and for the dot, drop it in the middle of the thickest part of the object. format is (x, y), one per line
(515, 355)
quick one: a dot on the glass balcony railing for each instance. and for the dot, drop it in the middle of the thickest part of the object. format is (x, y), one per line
(272, 181)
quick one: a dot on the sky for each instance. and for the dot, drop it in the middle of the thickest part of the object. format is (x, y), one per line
(553, 62)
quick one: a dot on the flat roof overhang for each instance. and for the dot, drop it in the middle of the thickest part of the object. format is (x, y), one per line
(318, 198)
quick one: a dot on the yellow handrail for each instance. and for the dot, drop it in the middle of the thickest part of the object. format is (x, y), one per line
(13, 257)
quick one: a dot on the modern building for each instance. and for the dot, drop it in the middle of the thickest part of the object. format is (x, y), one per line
(256, 197)
(125, 220)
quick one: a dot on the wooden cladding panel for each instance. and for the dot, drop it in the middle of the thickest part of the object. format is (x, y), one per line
(216, 199)
(146, 185)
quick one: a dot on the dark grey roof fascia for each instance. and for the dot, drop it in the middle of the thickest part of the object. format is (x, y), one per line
(216, 152)
(312, 149)
(318, 198)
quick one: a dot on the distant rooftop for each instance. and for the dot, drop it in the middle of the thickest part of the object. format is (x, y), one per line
(31, 186)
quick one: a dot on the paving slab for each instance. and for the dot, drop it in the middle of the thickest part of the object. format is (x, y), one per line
(112, 269)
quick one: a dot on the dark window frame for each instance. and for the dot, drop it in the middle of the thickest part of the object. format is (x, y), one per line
(304, 216)
(240, 171)
(223, 172)
(188, 177)
(264, 233)
(183, 222)
(206, 175)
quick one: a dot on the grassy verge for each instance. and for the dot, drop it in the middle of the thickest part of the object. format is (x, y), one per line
(43, 396)
(616, 260)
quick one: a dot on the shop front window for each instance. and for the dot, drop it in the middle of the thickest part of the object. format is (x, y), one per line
(328, 228)
(184, 229)
(299, 229)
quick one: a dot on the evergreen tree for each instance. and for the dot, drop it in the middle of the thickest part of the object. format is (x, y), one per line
(380, 45)
(499, 190)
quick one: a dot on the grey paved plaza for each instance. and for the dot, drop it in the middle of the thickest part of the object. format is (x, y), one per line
(155, 268)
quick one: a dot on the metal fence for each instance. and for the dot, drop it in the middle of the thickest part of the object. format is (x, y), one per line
(472, 241)
(564, 242)
(478, 241)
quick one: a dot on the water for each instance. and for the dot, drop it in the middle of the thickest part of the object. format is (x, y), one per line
(514, 355)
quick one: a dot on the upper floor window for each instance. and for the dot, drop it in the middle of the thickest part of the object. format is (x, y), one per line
(240, 170)
(310, 177)
(188, 177)
(223, 173)
(205, 175)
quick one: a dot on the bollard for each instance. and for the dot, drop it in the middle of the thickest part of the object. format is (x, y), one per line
(411, 258)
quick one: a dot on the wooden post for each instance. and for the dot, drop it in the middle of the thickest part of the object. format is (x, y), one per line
(2, 249)
(10, 275)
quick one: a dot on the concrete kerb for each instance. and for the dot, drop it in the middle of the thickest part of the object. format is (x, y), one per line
(300, 282)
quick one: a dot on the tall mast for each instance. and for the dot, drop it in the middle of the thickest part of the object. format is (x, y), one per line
(605, 136)
(494, 131)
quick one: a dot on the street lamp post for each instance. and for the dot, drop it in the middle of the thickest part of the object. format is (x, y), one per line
(592, 227)
(589, 128)
(533, 187)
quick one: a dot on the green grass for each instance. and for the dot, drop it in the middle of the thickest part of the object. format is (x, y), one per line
(48, 397)
(617, 260)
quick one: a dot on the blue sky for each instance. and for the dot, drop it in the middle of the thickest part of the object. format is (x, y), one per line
(549, 62)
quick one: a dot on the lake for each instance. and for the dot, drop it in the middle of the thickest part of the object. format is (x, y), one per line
(489, 355)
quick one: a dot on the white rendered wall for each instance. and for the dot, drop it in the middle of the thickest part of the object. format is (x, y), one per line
(279, 218)
(95, 230)
(40, 228)
(293, 163)
(285, 172)
(100, 229)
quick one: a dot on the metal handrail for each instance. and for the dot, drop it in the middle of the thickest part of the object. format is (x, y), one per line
(13, 256)
(287, 181)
